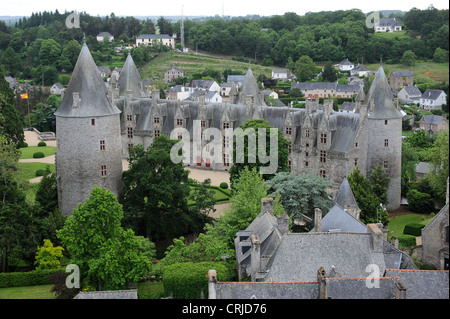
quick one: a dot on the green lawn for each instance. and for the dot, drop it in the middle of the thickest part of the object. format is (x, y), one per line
(424, 71)
(31, 292)
(28, 170)
(396, 225)
(27, 152)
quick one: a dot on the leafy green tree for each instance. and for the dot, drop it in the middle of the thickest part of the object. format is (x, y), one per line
(440, 55)
(305, 69)
(251, 157)
(296, 92)
(156, 192)
(46, 194)
(419, 202)
(367, 200)
(48, 256)
(329, 73)
(49, 53)
(409, 160)
(109, 257)
(301, 194)
(439, 158)
(203, 197)
(409, 58)
(380, 184)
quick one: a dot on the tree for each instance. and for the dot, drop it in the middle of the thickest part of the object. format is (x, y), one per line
(380, 184)
(108, 256)
(301, 194)
(156, 192)
(203, 197)
(48, 256)
(419, 202)
(367, 200)
(439, 158)
(296, 92)
(49, 53)
(165, 27)
(409, 58)
(440, 55)
(249, 156)
(329, 73)
(305, 69)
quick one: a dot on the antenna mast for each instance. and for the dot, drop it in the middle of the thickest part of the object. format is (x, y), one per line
(182, 28)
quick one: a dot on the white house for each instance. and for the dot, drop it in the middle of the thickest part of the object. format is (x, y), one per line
(345, 65)
(433, 99)
(387, 25)
(57, 88)
(409, 94)
(210, 96)
(178, 93)
(205, 85)
(279, 74)
(360, 70)
(147, 39)
(101, 36)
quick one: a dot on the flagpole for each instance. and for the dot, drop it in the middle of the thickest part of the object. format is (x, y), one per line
(29, 115)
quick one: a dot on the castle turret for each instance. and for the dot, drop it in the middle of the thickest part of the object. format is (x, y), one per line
(88, 137)
(384, 135)
(250, 88)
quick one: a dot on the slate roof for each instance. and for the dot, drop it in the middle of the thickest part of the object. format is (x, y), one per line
(338, 220)
(154, 36)
(402, 73)
(431, 94)
(345, 197)
(360, 67)
(388, 23)
(86, 80)
(412, 90)
(381, 93)
(347, 106)
(423, 284)
(115, 294)
(345, 62)
(130, 80)
(250, 87)
(235, 78)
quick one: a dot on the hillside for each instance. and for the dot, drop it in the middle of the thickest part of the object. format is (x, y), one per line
(193, 63)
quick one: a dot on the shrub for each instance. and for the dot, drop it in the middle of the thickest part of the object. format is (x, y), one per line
(186, 280)
(419, 202)
(41, 144)
(22, 279)
(406, 241)
(24, 144)
(40, 172)
(414, 229)
(223, 185)
(38, 155)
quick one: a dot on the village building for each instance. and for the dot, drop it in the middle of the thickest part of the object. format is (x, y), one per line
(345, 65)
(57, 89)
(387, 25)
(150, 39)
(173, 73)
(409, 95)
(102, 35)
(400, 79)
(360, 70)
(433, 123)
(433, 99)
(326, 89)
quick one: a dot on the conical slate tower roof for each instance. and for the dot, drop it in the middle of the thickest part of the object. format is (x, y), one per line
(250, 87)
(90, 87)
(130, 80)
(344, 197)
(380, 92)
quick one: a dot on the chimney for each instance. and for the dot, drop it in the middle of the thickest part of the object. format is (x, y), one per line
(322, 281)
(328, 106)
(76, 99)
(255, 256)
(317, 220)
(283, 224)
(377, 237)
(400, 291)
(155, 97)
(266, 205)
(212, 284)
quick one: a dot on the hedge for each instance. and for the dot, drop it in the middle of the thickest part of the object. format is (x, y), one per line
(406, 241)
(414, 229)
(186, 280)
(38, 155)
(30, 278)
(41, 144)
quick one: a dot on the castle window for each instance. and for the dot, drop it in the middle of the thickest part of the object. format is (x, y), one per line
(306, 144)
(103, 170)
(130, 118)
(157, 133)
(226, 141)
(385, 164)
(203, 123)
(306, 133)
(180, 136)
(102, 145)
(179, 122)
(93, 122)
(130, 132)
(323, 138)
(323, 156)
(288, 130)
(356, 162)
(225, 125)
(386, 142)
(385, 122)
(306, 164)
(289, 149)
(356, 145)
(226, 160)
(306, 154)
(289, 163)
(323, 173)
(156, 120)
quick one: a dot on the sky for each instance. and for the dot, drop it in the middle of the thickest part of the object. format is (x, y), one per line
(207, 7)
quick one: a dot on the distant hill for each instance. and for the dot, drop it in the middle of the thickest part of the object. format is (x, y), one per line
(10, 20)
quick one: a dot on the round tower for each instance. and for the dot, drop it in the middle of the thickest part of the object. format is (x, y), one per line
(385, 135)
(89, 148)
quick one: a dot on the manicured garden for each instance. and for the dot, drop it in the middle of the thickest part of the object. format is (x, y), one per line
(413, 224)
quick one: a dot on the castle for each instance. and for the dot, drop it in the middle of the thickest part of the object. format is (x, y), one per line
(96, 126)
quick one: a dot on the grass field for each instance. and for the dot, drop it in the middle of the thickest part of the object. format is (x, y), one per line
(192, 63)
(27, 152)
(396, 225)
(31, 292)
(424, 72)
(28, 170)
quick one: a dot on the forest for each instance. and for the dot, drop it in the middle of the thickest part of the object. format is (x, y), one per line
(42, 43)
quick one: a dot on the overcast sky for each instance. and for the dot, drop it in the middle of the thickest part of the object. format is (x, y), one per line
(207, 7)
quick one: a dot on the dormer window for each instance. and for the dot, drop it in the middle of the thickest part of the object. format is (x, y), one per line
(93, 122)
(179, 122)
(306, 133)
(102, 145)
(323, 138)
(225, 125)
(288, 130)
(156, 120)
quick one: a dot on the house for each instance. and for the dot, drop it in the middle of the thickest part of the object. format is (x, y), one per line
(326, 89)
(57, 88)
(422, 169)
(387, 25)
(238, 79)
(148, 40)
(206, 85)
(282, 74)
(104, 71)
(433, 123)
(360, 70)
(173, 73)
(345, 65)
(178, 93)
(101, 36)
(399, 79)
(409, 95)
(348, 107)
(208, 96)
(433, 99)
(435, 239)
